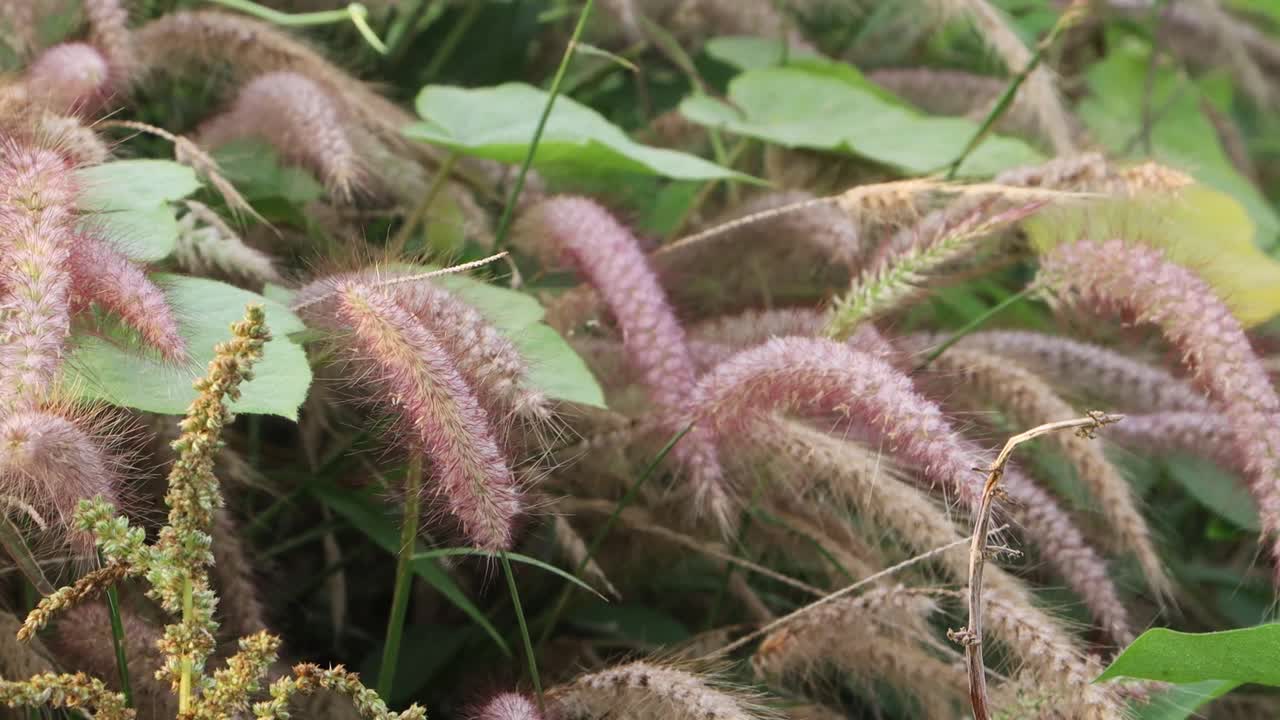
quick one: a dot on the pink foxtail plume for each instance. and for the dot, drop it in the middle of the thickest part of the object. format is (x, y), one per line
(1206, 434)
(582, 234)
(490, 363)
(101, 274)
(49, 465)
(817, 377)
(1141, 284)
(506, 706)
(439, 412)
(1126, 383)
(69, 78)
(299, 118)
(37, 199)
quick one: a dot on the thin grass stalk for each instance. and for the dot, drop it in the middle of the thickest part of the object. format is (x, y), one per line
(404, 577)
(401, 33)
(451, 41)
(117, 640)
(524, 633)
(552, 617)
(17, 549)
(1068, 18)
(971, 326)
(504, 224)
(420, 212)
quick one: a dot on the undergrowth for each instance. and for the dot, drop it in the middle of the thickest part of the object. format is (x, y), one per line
(652, 366)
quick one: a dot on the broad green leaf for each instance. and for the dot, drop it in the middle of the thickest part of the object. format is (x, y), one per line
(143, 234)
(1181, 135)
(746, 52)
(127, 201)
(119, 373)
(554, 368)
(498, 123)
(1249, 655)
(1217, 490)
(824, 108)
(367, 515)
(255, 169)
(134, 184)
(1181, 701)
(509, 310)
(1198, 227)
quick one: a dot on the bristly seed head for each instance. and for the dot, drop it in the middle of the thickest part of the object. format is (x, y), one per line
(441, 415)
(1140, 283)
(579, 232)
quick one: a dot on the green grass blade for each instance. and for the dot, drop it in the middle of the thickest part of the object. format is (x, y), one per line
(524, 632)
(364, 513)
(453, 552)
(117, 640)
(404, 579)
(549, 621)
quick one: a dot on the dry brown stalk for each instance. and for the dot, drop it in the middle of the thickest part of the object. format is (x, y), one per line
(971, 636)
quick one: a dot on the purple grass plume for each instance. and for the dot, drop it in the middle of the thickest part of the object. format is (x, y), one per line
(583, 235)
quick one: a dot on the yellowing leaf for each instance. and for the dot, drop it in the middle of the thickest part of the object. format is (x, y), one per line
(1198, 227)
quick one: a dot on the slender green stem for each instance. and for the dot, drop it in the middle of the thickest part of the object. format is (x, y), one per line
(276, 17)
(549, 621)
(16, 547)
(743, 528)
(1006, 98)
(117, 640)
(404, 579)
(355, 13)
(403, 28)
(972, 325)
(505, 222)
(401, 239)
(524, 633)
(452, 40)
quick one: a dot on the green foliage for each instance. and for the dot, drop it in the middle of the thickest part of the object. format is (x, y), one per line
(496, 123)
(105, 368)
(1215, 489)
(370, 517)
(1249, 655)
(829, 106)
(1182, 701)
(1179, 134)
(1204, 665)
(554, 368)
(129, 202)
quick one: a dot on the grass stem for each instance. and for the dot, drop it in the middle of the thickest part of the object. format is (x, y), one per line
(509, 209)
(404, 579)
(117, 640)
(524, 634)
(550, 619)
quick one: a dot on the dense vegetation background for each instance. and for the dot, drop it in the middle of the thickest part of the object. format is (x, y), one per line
(752, 293)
